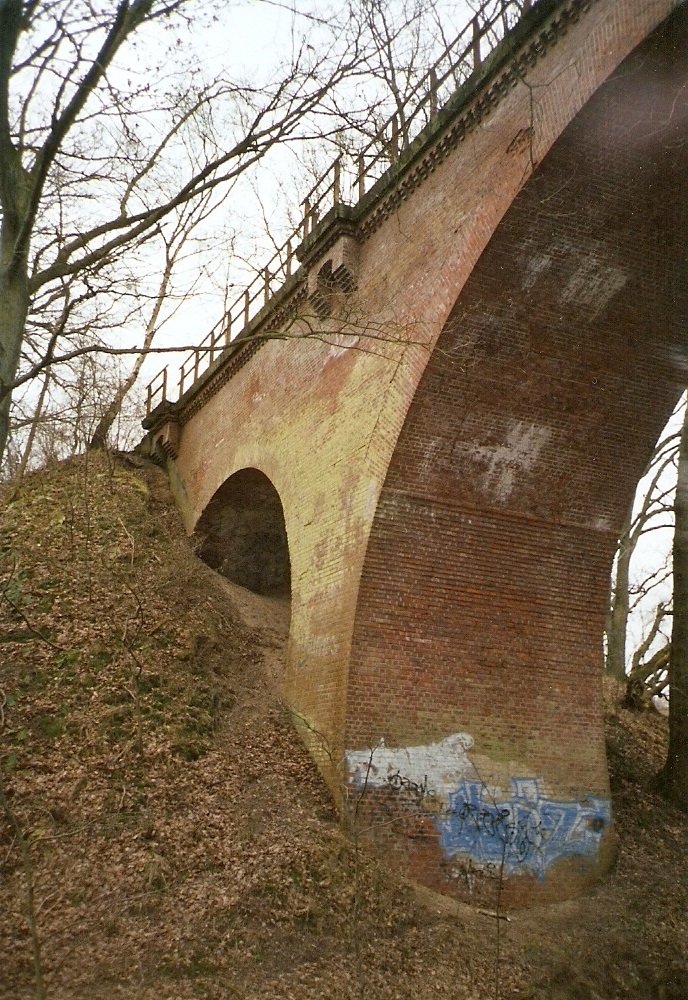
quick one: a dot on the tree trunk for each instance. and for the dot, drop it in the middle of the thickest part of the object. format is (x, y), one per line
(26, 455)
(14, 305)
(112, 410)
(99, 438)
(617, 613)
(673, 778)
(652, 674)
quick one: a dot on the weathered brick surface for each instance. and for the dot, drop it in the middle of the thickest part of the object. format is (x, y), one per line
(452, 491)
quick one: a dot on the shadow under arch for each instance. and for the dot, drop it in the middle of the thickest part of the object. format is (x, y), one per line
(242, 534)
(481, 606)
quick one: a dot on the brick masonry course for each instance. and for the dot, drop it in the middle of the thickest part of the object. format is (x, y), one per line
(454, 464)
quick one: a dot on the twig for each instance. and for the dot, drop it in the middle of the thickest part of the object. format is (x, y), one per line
(497, 916)
(15, 607)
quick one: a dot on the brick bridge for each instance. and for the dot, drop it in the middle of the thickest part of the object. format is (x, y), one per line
(430, 434)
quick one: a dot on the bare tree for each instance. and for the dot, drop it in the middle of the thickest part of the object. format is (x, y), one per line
(655, 512)
(674, 776)
(85, 149)
(664, 503)
(190, 216)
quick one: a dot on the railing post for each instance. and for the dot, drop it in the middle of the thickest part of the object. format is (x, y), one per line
(288, 264)
(394, 141)
(247, 305)
(181, 380)
(306, 216)
(361, 175)
(164, 383)
(433, 91)
(228, 329)
(475, 44)
(148, 399)
(336, 183)
(266, 285)
(197, 361)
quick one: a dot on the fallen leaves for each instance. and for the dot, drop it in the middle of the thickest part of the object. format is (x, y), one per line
(183, 844)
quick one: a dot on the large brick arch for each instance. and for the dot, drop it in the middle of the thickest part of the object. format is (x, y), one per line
(481, 605)
(516, 315)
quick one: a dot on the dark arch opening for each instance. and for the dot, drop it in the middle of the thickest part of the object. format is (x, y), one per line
(243, 535)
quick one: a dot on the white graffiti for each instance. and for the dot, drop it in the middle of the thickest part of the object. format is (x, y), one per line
(593, 284)
(518, 455)
(435, 767)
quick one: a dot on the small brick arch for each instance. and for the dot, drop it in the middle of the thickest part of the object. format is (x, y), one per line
(242, 534)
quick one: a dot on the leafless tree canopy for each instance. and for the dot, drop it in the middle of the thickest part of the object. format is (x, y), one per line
(110, 146)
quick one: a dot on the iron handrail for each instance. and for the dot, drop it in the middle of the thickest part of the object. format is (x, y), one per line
(351, 176)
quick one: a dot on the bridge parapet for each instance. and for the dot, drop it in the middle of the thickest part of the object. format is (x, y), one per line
(355, 182)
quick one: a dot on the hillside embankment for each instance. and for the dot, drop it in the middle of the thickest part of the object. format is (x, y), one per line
(164, 836)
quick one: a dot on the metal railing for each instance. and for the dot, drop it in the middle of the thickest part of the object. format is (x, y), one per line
(351, 176)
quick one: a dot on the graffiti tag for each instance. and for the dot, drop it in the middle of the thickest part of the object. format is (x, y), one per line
(527, 831)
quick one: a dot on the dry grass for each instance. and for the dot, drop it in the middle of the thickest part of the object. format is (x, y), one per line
(181, 843)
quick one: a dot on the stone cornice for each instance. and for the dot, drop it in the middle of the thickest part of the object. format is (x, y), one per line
(464, 113)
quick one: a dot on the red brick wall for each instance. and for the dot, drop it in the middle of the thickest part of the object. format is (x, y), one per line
(486, 578)
(454, 629)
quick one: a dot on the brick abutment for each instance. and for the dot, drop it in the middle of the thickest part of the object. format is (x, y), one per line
(455, 433)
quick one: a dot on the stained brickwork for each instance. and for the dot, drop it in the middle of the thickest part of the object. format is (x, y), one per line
(453, 482)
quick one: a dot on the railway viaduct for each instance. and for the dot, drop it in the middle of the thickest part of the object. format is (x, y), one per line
(430, 435)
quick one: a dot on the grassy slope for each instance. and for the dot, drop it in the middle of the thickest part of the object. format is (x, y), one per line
(180, 843)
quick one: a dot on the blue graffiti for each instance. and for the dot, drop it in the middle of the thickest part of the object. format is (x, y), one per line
(525, 832)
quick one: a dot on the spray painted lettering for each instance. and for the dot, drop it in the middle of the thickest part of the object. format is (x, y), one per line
(521, 830)
(436, 765)
(525, 832)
